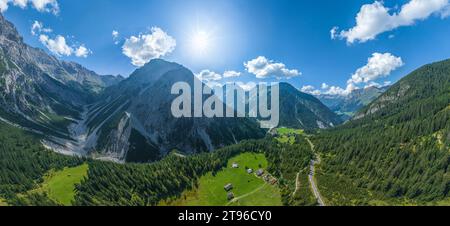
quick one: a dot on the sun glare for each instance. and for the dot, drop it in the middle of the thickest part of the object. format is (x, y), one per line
(201, 42)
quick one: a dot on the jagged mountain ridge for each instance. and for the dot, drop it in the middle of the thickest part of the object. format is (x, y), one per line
(139, 109)
(68, 106)
(39, 92)
(303, 111)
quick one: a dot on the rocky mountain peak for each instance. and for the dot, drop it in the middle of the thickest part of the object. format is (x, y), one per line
(8, 31)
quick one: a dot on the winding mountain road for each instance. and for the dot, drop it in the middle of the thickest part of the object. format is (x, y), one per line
(312, 174)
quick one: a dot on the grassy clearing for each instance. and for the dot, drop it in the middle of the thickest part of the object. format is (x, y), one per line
(445, 202)
(267, 195)
(3, 202)
(289, 131)
(287, 135)
(248, 189)
(59, 186)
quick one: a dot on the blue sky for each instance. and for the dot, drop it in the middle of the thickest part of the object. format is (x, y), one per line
(292, 36)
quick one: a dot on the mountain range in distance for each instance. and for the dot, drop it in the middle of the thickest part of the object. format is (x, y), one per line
(347, 106)
(79, 112)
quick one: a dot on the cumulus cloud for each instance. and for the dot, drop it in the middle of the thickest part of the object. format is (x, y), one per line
(209, 76)
(231, 74)
(311, 90)
(378, 66)
(145, 47)
(374, 19)
(57, 46)
(265, 68)
(50, 6)
(38, 27)
(82, 51)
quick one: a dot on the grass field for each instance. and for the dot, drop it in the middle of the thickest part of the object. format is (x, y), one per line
(289, 131)
(287, 135)
(3, 202)
(60, 185)
(445, 202)
(248, 189)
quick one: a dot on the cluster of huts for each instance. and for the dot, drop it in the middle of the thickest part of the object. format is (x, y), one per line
(229, 187)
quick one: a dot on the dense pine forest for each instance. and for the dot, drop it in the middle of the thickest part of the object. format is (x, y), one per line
(400, 148)
(23, 163)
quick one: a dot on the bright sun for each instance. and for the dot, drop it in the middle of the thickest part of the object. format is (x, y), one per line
(201, 42)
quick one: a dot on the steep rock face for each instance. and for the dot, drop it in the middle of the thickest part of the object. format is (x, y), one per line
(303, 111)
(37, 91)
(137, 113)
(307, 110)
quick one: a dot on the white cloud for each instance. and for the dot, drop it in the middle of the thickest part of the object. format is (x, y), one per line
(82, 51)
(334, 33)
(38, 28)
(50, 6)
(209, 76)
(115, 36)
(265, 68)
(445, 12)
(311, 90)
(231, 74)
(378, 66)
(145, 47)
(374, 19)
(57, 46)
(46, 5)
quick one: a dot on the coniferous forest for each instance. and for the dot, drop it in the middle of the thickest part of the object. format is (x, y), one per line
(401, 150)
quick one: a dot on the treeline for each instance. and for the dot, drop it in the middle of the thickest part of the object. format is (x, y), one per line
(403, 149)
(23, 163)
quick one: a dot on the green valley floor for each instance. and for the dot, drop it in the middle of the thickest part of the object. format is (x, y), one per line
(248, 189)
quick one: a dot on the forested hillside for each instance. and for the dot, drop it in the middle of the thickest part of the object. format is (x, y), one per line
(23, 163)
(398, 148)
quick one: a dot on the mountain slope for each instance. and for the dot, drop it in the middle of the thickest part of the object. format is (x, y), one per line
(301, 110)
(348, 106)
(397, 147)
(39, 92)
(134, 121)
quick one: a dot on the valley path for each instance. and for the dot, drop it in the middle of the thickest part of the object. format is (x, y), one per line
(312, 174)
